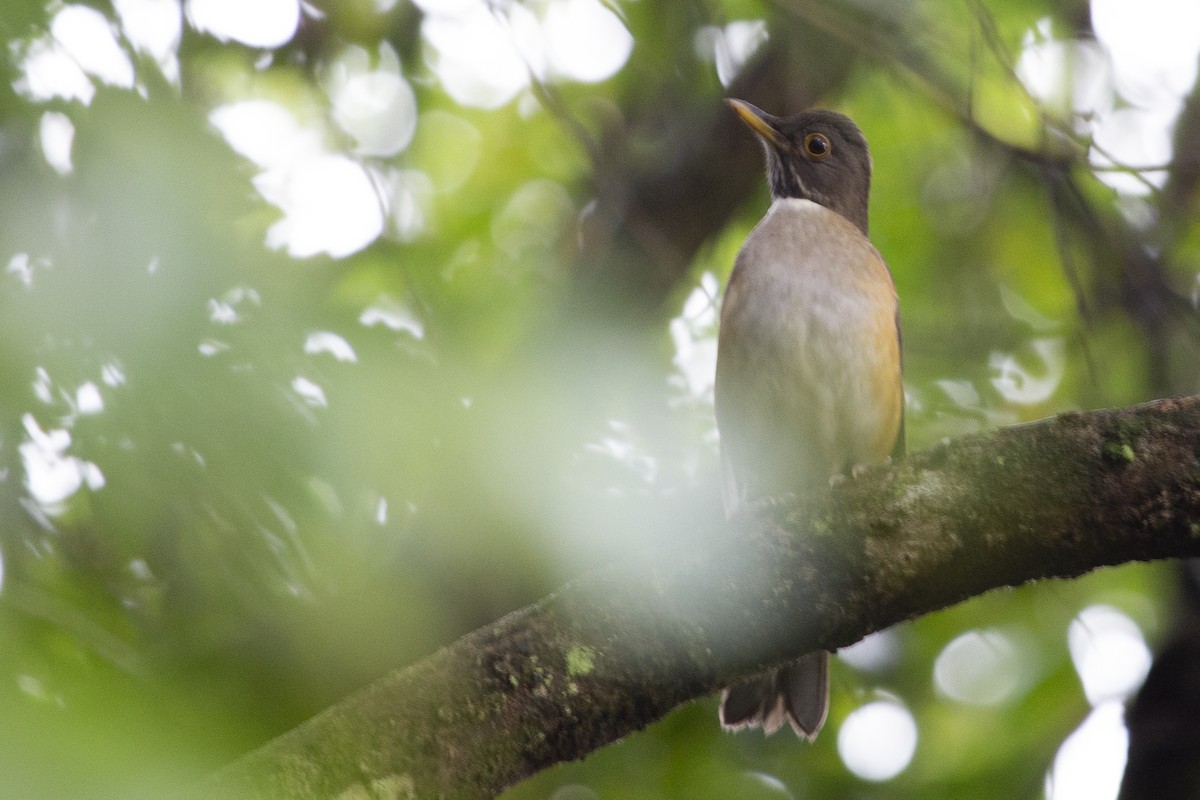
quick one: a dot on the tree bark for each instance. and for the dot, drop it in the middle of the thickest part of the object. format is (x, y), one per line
(618, 649)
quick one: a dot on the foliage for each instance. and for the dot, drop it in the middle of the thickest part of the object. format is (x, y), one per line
(316, 467)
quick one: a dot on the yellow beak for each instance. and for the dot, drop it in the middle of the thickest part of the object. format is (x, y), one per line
(758, 120)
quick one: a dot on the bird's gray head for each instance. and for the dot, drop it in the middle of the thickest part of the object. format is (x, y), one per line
(814, 155)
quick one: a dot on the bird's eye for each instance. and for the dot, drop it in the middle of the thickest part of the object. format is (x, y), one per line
(817, 145)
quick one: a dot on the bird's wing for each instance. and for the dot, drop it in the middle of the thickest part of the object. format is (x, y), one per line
(899, 448)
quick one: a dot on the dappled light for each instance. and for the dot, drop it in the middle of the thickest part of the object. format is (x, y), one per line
(375, 106)
(154, 27)
(1029, 386)
(86, 35)
(51, 475)
(264, 23)
(332, 343)
(1089, 764)
(484, 54)
(1125, 94)
(694, 334)
(329, 201)
(1145, 75)
(875, 653)
(877, 740)
(983, 667)
(57, 134)
(731, 46)
(1109, 654)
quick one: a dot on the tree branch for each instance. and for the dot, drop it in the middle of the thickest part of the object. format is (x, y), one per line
(618, 649)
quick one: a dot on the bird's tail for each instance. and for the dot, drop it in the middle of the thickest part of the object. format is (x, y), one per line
(797, 693)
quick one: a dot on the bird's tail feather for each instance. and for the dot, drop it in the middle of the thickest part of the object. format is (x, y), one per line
(797, 693)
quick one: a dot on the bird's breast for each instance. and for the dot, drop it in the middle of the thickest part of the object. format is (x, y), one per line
(808, 284)
(808, 371)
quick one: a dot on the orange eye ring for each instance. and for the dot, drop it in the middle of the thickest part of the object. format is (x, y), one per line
(817, 145)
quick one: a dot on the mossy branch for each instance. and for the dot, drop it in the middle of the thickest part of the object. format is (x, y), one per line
(618, 649)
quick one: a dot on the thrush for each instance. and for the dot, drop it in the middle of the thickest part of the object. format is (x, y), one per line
(808, 381)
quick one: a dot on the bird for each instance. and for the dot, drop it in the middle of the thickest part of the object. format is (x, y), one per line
(808, 378)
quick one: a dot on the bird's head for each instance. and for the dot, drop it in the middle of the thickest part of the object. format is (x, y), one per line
(817, 155)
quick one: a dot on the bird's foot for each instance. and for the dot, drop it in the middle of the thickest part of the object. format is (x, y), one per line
(857, 471)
